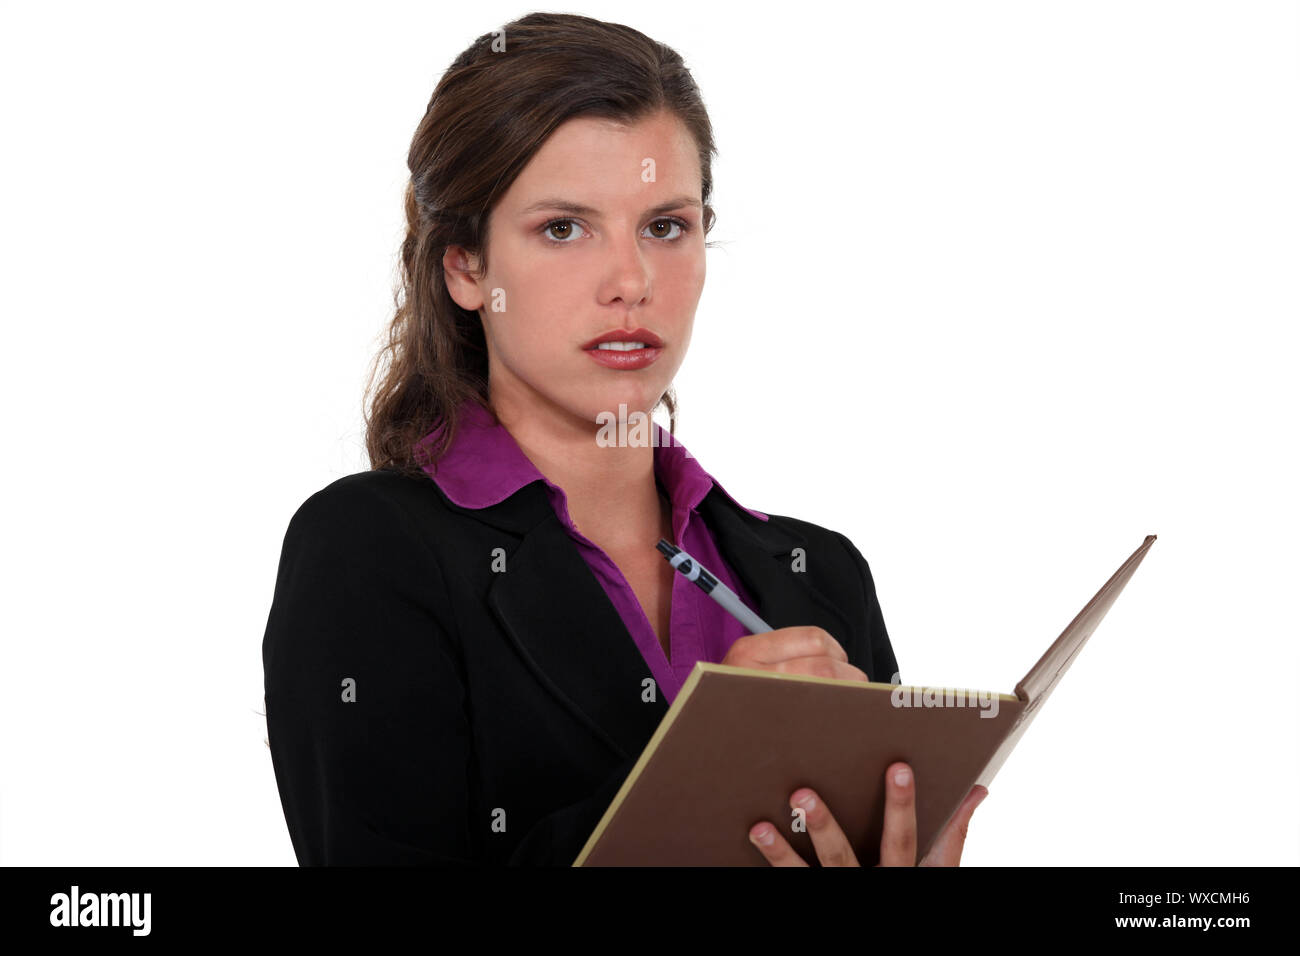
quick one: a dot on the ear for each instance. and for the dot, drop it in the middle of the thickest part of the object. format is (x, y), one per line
(459, 268)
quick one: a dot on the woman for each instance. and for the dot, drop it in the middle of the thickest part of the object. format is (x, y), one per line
(470, 644)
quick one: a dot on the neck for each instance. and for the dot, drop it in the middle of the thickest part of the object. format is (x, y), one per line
(611, 492)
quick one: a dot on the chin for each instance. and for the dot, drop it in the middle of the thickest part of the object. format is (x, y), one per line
(624, 404)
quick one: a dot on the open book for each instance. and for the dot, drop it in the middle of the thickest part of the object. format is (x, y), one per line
(737, 742)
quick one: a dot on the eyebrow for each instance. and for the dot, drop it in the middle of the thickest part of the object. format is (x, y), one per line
(578, 209)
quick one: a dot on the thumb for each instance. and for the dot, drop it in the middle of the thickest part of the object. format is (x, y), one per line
(946, 850)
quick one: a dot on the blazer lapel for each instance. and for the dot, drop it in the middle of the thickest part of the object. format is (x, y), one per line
(564, 626)
(571, 636)
(761, 553)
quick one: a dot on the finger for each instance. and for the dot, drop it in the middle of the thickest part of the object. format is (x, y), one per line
(832, 846)
(898, 839)
(820, 667)
(795, 642)
(947, 848)
(773, 846)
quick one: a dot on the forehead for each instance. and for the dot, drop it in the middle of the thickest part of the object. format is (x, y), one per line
(593, 159)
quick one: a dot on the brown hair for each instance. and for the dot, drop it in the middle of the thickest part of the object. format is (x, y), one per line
(489, 114)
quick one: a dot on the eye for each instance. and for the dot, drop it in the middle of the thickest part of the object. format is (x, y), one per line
(560, 231)
(682, 229)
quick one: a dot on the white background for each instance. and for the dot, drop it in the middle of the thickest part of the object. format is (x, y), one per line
(999, 289)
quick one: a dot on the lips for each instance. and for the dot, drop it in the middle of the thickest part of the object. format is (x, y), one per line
(627, 335)
(626, 361)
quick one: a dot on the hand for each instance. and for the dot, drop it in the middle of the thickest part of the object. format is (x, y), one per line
(897, 841)
(793, 650)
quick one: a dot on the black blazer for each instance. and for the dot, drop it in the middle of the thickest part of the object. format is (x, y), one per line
(495, 714)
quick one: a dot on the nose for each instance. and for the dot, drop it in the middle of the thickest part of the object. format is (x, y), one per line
(627, 275)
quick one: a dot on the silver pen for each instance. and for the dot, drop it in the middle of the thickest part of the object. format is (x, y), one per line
(710, 585)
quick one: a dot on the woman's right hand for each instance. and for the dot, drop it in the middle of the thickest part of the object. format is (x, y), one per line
(794, 650)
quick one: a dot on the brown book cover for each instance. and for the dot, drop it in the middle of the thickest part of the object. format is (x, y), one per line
(737, 742)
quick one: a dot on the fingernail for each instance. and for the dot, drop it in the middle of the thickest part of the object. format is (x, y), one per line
(763, 836)
(903, 777)
(807, 801)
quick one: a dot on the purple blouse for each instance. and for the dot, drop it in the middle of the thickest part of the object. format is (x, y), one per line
(485, 465)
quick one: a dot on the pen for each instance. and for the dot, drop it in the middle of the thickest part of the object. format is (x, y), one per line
(710, 585)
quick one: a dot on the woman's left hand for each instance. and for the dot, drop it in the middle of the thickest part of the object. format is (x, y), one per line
(897, 841)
